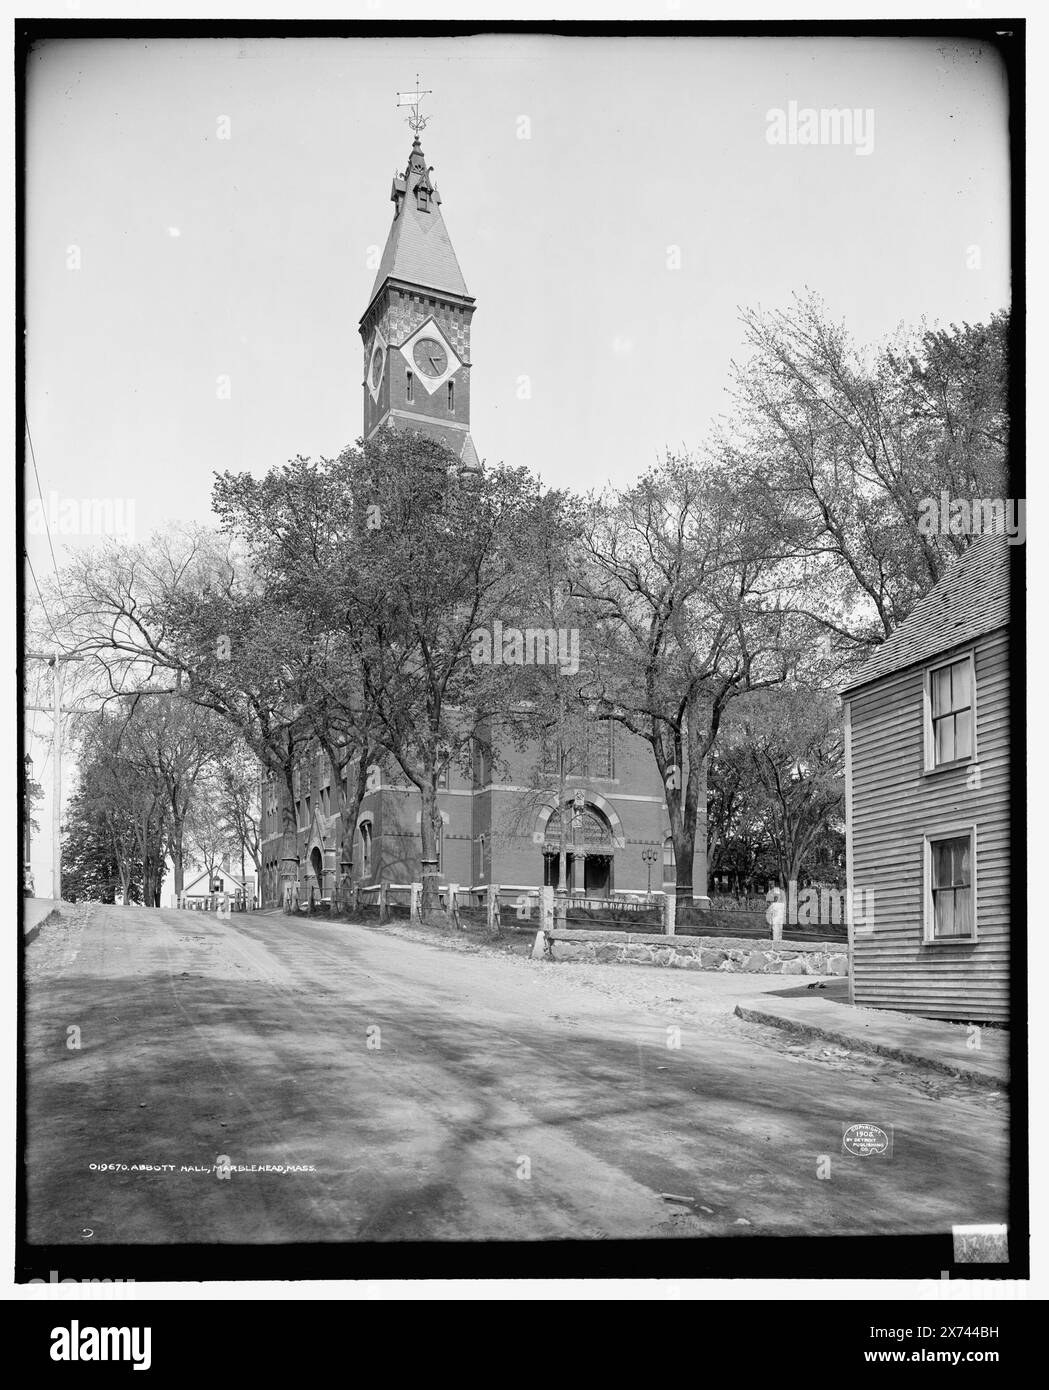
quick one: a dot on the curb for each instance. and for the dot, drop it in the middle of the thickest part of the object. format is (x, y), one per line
(829, 1033)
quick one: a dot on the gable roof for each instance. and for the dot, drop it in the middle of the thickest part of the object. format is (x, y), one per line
(970, 600)
(418, 248)
(203, 877)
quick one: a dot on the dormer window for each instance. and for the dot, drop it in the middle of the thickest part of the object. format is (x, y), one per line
(422, 198)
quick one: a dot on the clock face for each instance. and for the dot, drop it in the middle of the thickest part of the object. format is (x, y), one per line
(378, 357)
(430, 357)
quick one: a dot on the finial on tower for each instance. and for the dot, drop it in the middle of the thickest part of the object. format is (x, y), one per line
(413, 99)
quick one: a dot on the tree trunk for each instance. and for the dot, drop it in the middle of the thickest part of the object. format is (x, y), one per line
(562, 824)
(428, 823)
(351, 811)
(679, 802)
(289, 851)
(178, 856)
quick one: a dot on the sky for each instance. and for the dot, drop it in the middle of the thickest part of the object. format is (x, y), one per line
(192, 301)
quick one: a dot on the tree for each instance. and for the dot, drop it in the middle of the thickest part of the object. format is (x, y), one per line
(301, 528)
(780, 784)
(170, 741)
(450, 558)
(673, 574)
(109, 819)
(238, 803)
(845, 446)
(540, 703)
(97, 849)
(209, 830)
(186, 615)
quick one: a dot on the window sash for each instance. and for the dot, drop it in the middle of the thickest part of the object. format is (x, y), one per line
(952, 912)
(952, 888)
(950, 688)
(951, 713)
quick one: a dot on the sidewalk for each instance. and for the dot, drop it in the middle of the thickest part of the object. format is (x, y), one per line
(37, 912)
(925, 1042)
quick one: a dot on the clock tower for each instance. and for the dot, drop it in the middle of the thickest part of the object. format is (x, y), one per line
(416, 328)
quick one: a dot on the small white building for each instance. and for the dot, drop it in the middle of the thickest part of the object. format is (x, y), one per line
(207, 892)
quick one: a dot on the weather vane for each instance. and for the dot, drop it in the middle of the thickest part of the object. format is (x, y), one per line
(413, 99)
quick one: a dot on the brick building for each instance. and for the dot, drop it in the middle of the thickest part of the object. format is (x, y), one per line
(501, 824)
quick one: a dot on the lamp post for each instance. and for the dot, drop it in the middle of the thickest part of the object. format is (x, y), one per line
(650, 854)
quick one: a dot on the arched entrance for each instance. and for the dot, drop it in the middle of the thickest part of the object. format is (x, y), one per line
(317, 869)
(589, 850)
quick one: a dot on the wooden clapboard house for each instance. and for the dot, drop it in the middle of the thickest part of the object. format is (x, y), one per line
(928, 801)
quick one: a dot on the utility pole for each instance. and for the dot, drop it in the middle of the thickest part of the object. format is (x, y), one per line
(56, 660)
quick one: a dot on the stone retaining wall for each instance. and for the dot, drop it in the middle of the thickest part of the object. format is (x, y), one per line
(729, 954)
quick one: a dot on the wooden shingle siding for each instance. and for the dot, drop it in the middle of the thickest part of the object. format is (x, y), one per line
(895, 804)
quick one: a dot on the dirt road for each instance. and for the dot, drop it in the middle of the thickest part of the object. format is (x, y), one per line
(397, 1090)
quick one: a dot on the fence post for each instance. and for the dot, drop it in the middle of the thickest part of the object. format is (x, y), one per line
(776, 913)
(384, 915)
(453, 903)
(669, 914)
(417, 892)
(547, 914)
(493, 907)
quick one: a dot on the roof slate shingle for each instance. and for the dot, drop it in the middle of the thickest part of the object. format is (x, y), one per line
(970, 600)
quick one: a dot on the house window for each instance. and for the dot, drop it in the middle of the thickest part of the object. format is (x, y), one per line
(950, 874)
(451, 396)
(951, 705)
(409, 387)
